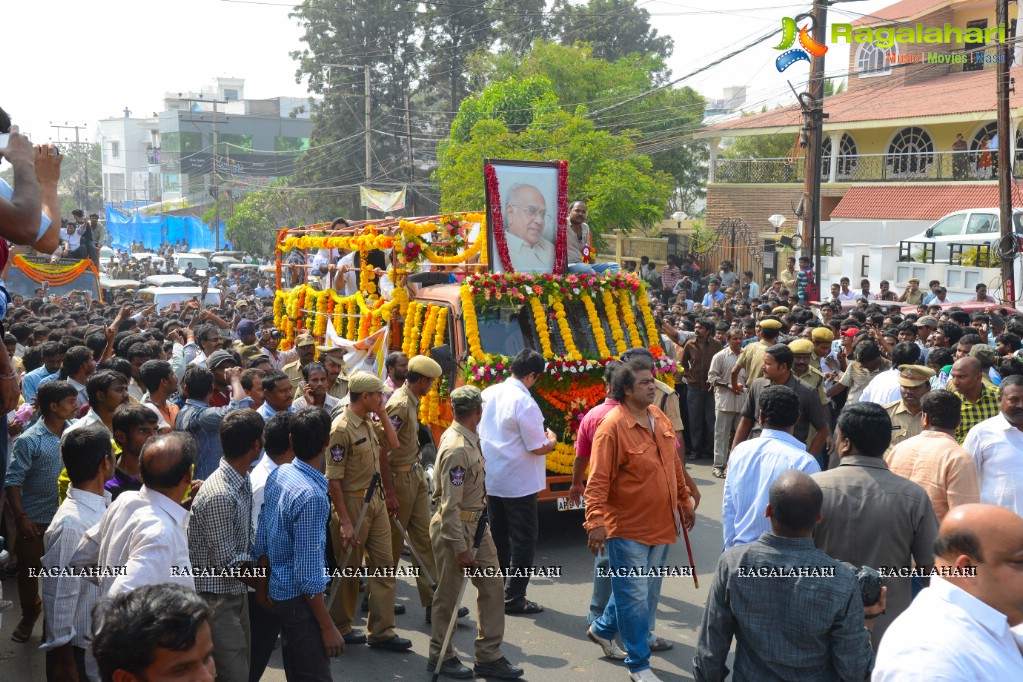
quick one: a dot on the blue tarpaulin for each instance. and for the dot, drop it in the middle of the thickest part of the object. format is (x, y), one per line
(156, 230)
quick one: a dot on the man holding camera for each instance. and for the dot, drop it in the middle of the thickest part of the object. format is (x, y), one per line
(872, 516)
(782, 573)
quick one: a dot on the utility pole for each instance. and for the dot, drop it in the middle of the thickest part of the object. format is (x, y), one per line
(813, 130)
(83, 162)
(1005, 149)
(367, 71)
(214, 176)
(411, 168)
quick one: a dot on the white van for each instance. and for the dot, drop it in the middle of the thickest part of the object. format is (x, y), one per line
(196, 260)
(167, 296)
(976, 226)
(168, 281)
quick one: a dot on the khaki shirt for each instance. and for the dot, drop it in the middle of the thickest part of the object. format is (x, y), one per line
(751, 360)
(294, 371)
(460, 483)
(814, 379)
(403, 409)
(904, 424)
(353, 451)
(340, 388)
(668, 401)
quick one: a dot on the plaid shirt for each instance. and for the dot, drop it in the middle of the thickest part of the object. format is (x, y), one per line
(292, 530)
(987, 406)
(220, 530)
(35, 466)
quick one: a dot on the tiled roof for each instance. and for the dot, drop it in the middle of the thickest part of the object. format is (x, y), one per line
(913, 202)
(907, 9)
(956, 93)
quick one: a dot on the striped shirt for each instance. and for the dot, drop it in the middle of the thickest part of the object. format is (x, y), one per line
(292, 530)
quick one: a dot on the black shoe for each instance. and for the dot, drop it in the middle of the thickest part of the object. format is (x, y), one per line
(395, 643)
(399, 608)
(451, 668)
(462, 613)
(501, 669)
(355, 637)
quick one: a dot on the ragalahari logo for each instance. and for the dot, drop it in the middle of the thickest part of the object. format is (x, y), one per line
(809, 45)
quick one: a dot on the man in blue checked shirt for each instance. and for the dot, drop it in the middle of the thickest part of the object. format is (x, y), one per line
(292, 536)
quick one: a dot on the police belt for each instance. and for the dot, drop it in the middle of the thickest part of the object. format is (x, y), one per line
(405, 468)
(471, 515)
(361, 492)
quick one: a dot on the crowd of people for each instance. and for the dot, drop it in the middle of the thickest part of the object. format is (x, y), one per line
(180, 493)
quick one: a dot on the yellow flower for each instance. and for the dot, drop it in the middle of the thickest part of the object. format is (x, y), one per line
(630, 318)
(612, 317)
(596, 326)
(571, 352)
(442, 317)
(542, 331)
(561, 459)
(472, 332)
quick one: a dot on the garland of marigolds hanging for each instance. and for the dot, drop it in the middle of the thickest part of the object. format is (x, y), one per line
(307, 309)
(54, 274)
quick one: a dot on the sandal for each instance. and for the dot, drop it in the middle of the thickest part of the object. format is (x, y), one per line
(528, 608)
(22, 632)
(718, 473)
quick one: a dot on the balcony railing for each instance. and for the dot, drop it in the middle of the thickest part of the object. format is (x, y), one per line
(923, 167)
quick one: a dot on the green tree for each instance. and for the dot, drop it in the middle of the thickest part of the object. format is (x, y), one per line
(355, 32)
(81, 178)
(451, 33)
(518, 23)
(620, 185)
(252, 222)
(614, 28)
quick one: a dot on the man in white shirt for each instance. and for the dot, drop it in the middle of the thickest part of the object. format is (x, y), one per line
(996, 444)
(68, 601)
(579, 249)
(884, 388)
(959, 628)
(142, 537)
(525, 213)
(756, 463)
(515, 446)
(727, 403)
(845, 293)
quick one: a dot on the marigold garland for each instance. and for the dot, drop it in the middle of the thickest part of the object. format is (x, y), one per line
(442, 326)
(429, 329)
(561, 459)
(571, 352)
(542, 331)
(54, 274)
(596, 326)
(472, 331)
(617, 335)
(625, 304)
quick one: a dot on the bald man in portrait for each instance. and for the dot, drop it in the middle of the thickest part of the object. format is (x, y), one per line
(525, 217)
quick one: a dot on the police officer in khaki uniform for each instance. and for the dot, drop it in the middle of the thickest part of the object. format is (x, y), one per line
(461, 499)
(907, 414)
(306, 347)
(411, 489)
(751, 358)
(354, 454)
(802, 367)
(333, 360)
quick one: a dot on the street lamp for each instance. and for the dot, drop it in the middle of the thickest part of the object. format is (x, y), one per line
(777, 220)
(679, 216)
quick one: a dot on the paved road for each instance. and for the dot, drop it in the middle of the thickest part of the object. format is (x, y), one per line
(551, 645)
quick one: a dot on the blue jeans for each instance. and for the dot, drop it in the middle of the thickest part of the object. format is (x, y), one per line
(605, 267)
(602, 594)
(581, 269)
(628, 610)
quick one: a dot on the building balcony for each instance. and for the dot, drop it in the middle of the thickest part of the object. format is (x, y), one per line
(969, 166)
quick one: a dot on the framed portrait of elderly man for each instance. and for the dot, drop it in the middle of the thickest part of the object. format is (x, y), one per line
(527, 215)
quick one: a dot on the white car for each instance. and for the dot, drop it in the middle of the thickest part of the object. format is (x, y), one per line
(975, 226)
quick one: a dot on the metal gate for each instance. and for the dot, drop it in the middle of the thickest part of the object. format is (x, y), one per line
(733, 241)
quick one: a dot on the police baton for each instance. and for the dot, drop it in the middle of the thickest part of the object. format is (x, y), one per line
(415, 554)
(476, 540)
(373, 483)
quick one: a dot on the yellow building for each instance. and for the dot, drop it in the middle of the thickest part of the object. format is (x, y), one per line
(894, 129)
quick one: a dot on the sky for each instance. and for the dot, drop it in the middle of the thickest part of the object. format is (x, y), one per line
(104, 56)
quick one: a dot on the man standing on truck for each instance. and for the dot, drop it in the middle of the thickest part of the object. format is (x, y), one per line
(515, 446)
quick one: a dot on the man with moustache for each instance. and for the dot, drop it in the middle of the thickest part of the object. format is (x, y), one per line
(525, 211)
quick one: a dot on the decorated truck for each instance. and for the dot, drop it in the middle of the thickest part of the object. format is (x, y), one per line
(578, 322)
(29, 272)
(440, 288)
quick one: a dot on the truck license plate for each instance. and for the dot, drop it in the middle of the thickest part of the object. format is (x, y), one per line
(566, 504)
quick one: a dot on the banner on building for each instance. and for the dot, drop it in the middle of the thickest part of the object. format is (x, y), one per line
(382, 201)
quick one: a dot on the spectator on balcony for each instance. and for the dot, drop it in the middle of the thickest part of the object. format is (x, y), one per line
(886, 293)
(912, 295)
(931, 297)
(959, 148)
(984, 162)
(982, 295)
(865, 293)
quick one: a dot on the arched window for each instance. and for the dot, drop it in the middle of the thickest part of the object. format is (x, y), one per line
(872, 60)
(847, 160)
(984, 164)
(910, 152)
